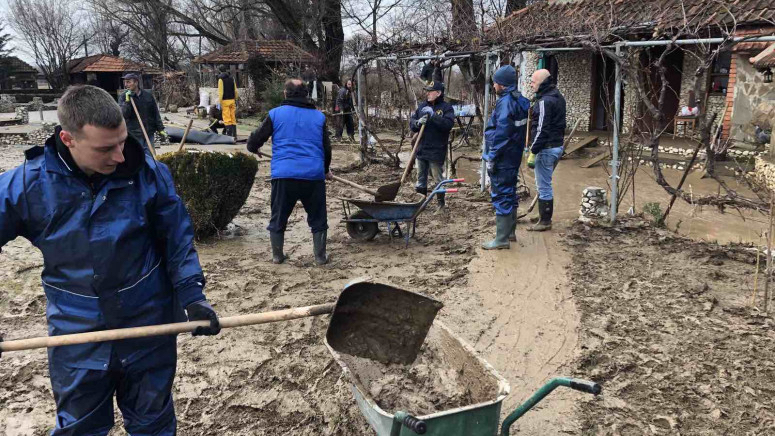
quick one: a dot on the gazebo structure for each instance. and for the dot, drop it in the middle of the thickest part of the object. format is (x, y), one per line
(105, 71)
(274, 54)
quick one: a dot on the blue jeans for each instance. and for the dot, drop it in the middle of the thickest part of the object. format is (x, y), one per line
(546, 161)
(436, 171)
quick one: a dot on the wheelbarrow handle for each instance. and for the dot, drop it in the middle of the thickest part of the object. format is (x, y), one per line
(402, 418)
(573, 383)
(446, 191)
(458, 180)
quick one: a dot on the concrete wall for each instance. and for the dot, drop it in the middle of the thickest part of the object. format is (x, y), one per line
(751, 95)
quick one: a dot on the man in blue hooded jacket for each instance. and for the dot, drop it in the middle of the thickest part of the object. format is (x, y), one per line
(118, 251)
(438, 116)
(505, 142)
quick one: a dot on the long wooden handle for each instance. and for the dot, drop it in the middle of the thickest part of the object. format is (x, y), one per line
(185, 135)
(355, 185)
(142, 126)
(164, 329)
(409, 164)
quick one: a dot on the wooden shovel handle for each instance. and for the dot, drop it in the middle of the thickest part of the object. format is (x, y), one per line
(164, 329)
(354, 185)
(410, 164)
(185, 135)
(142, 126)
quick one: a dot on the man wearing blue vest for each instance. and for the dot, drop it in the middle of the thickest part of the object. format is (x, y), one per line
(301, 157)
(118, 252)
(505, 142)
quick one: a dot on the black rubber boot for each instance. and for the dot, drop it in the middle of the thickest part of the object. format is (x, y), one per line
(277, 239)
(545, 209)
(234, 132)
(319, 247)
(442, 204)
(421, 191)
(513, 232)
(502, 228)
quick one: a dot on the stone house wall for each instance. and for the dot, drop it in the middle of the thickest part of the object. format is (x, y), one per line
(751, 95)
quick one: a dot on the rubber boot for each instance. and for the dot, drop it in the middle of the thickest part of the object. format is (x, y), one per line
(513, 232)
(234, 132)
(502, 229)
(319, 247)
(442, 204)
(352, 139)
(421, 191)
(545, 209)
(277, 239)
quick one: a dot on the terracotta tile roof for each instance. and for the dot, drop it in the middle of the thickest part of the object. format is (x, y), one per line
(103, 63)
(16, 65)
(652, 19)
(765, 59)
(239, 51)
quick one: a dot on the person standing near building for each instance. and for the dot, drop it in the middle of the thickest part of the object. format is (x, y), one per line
(344, 106)
(227, 95)
(118, 252)
(505, 143)
(547, 128)
(438, 116)
(301, 158)
(146, 106)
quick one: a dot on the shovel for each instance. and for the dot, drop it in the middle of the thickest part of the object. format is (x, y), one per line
(390, 191)
(402, 317)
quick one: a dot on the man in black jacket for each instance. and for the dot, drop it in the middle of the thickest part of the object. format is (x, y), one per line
(146, 106)
(438, 116)
(344, 104)
(301, 161)
(547, 130)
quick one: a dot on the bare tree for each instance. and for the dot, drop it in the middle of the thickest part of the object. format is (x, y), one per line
(108, 33)
(53, 32)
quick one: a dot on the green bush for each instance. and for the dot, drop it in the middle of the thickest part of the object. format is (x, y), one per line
(214, 186)
(272, 92)
(655, 210)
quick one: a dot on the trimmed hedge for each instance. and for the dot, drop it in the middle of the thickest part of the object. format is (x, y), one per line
(214, 186)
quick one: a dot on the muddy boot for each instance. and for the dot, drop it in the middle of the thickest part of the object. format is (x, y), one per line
(502, 229)
(442, 209)
(319, 247)
(277, 239)
(234, 132)
(545, 209)
(352, 139)
(513, 232)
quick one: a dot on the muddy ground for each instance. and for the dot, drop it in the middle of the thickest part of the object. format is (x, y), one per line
(544, 308)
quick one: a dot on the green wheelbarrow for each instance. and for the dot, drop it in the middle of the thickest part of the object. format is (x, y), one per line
(488, 389)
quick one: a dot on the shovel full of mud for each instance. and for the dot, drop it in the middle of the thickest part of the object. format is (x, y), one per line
(369, 320)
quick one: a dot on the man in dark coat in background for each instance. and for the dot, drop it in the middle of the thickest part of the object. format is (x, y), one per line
(438, 116)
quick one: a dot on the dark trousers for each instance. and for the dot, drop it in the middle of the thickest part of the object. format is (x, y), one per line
(347, 120)
(285, 194)
(143, 391)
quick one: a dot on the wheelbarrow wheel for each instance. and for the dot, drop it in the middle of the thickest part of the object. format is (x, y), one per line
(362, 231)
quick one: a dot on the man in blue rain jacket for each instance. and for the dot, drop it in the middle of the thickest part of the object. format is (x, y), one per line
(118, 252)
(505, 142)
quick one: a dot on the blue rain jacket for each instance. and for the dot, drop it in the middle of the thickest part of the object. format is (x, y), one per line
(506, 129)
(118, 251)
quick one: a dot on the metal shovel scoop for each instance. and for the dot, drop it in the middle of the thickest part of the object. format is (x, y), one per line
(381, 322)
(370, 320)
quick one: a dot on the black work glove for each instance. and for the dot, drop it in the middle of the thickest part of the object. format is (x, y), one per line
(202, 311)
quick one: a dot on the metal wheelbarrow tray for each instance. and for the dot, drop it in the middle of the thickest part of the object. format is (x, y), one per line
(363, 224)
(488, 390)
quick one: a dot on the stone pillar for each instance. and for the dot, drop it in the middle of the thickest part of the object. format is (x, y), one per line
(593, 204)
(22, 113)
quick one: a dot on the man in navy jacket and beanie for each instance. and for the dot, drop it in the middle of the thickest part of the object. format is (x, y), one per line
(118, 252)
(547, 130)
(438, 116)
(301, 157)
(504, 145)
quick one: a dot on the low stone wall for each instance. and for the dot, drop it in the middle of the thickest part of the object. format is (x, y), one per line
(764, 173)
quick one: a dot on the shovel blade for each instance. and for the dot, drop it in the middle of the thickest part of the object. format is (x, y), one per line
(387, 192)
(381, 322)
